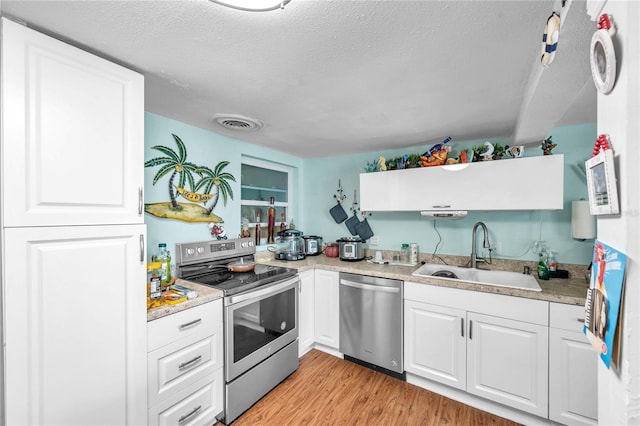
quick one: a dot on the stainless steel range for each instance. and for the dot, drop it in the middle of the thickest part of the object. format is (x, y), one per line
(260, 317)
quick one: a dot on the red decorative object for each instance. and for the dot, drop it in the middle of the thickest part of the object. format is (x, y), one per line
(604, 23)
(602, 143)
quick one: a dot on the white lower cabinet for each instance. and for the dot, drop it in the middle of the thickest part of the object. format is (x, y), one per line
(502, 357)
(573, 366)
(326, 308)
(184, 366)
(306, 311)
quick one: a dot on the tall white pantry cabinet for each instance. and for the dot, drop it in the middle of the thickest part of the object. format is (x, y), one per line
(73, 235)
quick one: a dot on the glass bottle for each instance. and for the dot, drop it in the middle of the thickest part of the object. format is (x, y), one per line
(164, 257)
(405, 254)
(154, 284)
(283, 225)
(257, 233)
(271, 220)
(543, 266)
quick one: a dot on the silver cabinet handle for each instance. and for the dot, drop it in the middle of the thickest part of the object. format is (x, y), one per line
(189, 363)
(443, 206)
(470, 330)
(184, 418)
(140, 200)
(190, 324)
(461, 326)
(141, 247)
(580, 320)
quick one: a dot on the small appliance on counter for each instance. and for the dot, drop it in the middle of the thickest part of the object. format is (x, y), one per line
(332, 250)
(312, 245)
(351, 248)
(289, 245)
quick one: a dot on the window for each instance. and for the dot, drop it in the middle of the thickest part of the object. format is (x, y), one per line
(260, 181)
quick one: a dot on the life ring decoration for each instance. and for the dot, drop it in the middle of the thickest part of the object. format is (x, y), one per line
(550, 40)
(603, 55)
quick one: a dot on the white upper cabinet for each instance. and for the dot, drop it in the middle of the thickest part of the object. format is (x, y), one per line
(531, 183)
(73, 134)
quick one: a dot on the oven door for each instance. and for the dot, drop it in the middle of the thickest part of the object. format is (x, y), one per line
(258, 323)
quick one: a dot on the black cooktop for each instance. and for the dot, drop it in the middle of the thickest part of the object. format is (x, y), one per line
(238, 282)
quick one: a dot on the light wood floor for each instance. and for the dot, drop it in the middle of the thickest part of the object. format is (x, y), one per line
(327, 390)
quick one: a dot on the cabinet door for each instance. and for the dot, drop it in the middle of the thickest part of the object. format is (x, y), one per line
(75, 325)
(507, 362)
(306, 311)
(573, 378)
(435, 343)
(73, 134)
(395, 190)
(326, 304)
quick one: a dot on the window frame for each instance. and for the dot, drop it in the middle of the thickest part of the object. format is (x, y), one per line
(265, 164)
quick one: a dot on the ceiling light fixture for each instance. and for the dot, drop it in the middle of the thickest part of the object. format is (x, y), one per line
(253, 5)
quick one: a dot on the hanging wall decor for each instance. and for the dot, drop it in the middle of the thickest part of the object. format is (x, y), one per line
(603, 55)
(175, 165)
(550, 39)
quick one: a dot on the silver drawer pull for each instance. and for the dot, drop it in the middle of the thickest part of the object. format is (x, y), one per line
(189, 363)
(184, 418)
(580, 319)
(190, 324)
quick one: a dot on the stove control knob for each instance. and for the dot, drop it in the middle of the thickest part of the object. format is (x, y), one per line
(190, 251)
(244, 244)
(200, 250)
(250, 243)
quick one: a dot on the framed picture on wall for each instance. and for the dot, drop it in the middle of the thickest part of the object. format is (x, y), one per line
(601, 184)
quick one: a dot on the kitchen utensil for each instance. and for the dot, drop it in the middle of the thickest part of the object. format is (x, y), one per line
(337, 213)
(241, 266)
(312, 245)
(289, 245)
(332, 250)
(351, 248)
(364, 230)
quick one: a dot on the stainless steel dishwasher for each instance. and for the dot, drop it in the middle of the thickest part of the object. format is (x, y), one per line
(371, 331)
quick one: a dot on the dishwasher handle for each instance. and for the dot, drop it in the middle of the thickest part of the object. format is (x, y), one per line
(361, 286)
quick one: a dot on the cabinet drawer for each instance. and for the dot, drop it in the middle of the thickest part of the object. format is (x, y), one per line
(174, 367)
(566, 317)
(197, 405)
(194, 323)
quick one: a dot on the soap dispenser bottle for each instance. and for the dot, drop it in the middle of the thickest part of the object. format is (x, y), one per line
(543, 265)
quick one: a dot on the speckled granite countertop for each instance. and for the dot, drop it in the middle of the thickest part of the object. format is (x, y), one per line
(571, 291)
(205, 295)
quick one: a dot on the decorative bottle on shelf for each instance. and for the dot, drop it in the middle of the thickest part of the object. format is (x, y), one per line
(292, 225)
(283, 225)
(257, 235)
(271, 220)
(164, 257)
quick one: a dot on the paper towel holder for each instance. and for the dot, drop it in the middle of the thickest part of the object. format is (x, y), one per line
(583, 223)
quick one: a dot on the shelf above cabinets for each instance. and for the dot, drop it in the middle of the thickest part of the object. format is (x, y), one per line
(531, 183)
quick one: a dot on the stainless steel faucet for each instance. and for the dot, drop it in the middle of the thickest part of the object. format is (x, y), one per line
(474, 254)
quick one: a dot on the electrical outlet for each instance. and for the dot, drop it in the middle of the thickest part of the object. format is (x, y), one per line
(374, 241)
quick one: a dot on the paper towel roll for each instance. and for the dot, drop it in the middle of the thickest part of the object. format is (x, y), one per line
(583, 224)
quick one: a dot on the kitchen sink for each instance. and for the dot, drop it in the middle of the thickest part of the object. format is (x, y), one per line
(479, 276)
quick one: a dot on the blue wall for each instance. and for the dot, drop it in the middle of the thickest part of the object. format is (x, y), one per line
(317, 181)
(203, 148)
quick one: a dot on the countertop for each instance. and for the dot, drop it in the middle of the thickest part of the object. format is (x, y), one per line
(205, 295)
(571, 291)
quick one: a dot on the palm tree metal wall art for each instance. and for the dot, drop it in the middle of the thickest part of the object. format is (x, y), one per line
(176, 164)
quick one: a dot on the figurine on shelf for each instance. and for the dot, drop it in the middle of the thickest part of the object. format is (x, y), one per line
(547, 145)
(382, 165)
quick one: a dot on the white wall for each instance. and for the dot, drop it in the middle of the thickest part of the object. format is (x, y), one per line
(619, 116)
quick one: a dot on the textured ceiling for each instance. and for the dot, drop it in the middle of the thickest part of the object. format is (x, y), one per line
(332, 77)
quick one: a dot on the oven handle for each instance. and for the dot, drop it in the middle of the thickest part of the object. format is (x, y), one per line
(262, 291)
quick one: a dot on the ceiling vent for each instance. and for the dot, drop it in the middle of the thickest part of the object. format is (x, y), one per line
(236, 122)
